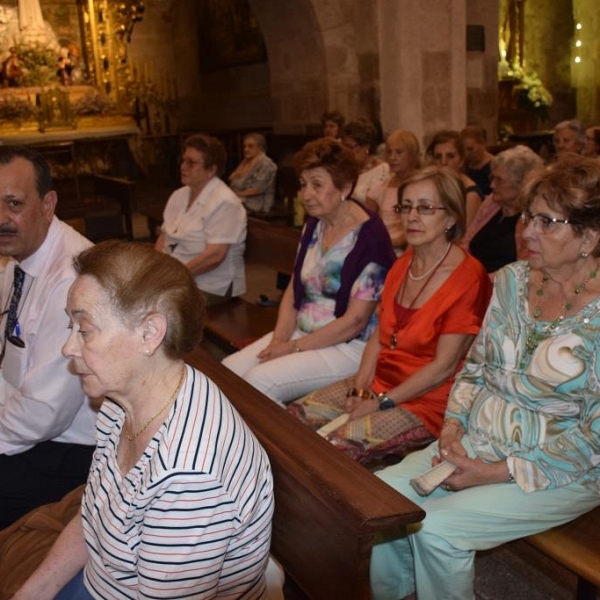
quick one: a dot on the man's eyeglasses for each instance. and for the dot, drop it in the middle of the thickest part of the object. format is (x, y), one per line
(422, 209)
(543, 223)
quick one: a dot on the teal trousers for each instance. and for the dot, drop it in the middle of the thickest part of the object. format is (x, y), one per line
(436, 557)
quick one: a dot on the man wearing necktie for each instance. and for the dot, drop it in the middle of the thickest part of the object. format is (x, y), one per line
(47, 431)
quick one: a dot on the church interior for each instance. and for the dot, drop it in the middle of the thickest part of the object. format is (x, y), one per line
(108, 89)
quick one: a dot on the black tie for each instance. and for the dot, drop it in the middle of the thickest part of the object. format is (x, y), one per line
(11, 317)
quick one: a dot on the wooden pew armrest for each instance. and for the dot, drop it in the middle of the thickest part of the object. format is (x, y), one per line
(328, 508)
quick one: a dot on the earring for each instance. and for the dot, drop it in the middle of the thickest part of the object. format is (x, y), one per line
(147, 352)
(583, 254)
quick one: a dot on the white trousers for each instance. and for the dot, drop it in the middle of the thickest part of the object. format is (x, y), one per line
(292, 376)
(436, 558)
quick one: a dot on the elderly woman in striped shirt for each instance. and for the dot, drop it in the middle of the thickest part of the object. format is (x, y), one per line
(179, 499)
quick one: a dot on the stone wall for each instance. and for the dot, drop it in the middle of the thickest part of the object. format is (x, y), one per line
(423, 65)
(482, 69)
(548, 41)
(586, 74)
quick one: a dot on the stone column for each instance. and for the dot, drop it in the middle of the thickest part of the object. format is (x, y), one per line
(423, 65)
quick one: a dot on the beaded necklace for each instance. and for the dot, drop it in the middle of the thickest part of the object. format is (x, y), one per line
(433, 267)
(535, 336)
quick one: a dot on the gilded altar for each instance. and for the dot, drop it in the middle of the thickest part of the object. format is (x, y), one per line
(72, 74)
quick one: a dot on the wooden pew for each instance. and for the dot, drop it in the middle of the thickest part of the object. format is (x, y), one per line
(233, 324)
(109, 214)
(575, 546)
(328, 508)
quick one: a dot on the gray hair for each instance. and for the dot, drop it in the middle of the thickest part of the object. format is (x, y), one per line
(518, 162)
(259, 138)
(574, 125)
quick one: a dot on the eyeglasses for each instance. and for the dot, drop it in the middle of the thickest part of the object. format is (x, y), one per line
(188, 162)
(543, 223)
(422, 209)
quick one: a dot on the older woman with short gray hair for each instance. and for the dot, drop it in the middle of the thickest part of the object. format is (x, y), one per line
(254, 178)
(494, 236)
(569, 137)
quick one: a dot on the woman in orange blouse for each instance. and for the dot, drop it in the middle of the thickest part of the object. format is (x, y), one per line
(432, 306)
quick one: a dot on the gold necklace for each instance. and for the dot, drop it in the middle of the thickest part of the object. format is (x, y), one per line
(131, 437)
(535, 337)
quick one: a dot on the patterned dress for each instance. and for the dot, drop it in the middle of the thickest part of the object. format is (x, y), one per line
(540, 410)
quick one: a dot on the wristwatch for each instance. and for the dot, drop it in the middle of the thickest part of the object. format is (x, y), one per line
(385, 402)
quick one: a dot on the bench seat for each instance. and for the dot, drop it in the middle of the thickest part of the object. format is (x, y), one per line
(575, 546)
(236, 323)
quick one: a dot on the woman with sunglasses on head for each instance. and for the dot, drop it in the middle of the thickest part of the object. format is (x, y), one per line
(522, 425)
(432, 305)
(204, 224)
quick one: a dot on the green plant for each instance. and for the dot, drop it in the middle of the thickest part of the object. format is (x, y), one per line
(39, 65)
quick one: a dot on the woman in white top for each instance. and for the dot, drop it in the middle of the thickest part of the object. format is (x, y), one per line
(204, 223)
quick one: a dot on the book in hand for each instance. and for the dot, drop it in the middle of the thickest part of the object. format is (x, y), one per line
(425, 483)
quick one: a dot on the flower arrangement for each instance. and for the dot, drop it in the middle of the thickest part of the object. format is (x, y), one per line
(38, 65)
(13, 108)
(93, 103)
(529, 90)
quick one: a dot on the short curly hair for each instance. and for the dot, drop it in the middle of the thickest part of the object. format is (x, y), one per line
(330, 155)
(362, 132)
(571, 186)
(212, 149)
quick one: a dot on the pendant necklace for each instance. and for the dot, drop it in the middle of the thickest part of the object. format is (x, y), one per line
(535, 337)
(403, 314)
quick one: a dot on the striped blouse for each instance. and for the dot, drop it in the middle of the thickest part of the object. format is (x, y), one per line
(192, 519)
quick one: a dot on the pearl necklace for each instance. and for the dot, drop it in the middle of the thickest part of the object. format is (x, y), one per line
(131, 437)
(535, 337)
(435, 265)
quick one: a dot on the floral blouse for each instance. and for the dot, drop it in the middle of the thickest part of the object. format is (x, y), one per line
(321, 279)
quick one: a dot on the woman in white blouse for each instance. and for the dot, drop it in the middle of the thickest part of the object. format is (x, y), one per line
(204, 223)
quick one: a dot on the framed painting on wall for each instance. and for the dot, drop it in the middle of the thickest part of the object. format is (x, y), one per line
(229, 35)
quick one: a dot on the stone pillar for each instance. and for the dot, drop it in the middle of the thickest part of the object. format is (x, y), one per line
(482, 69)
(423, 65)
(548, 36)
